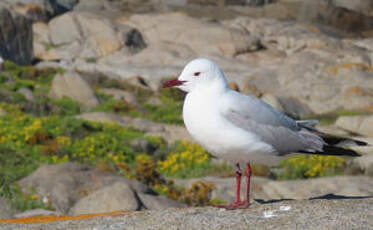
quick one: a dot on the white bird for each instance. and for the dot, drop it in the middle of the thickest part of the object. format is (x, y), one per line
(241, 129)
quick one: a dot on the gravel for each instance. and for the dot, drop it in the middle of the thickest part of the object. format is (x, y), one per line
(329, 212)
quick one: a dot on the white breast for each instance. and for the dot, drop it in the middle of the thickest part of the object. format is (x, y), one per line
(221, 138)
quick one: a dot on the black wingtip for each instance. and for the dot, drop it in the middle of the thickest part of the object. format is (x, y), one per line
(329, 150)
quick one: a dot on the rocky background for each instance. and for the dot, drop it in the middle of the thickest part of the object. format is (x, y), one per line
(309, 59)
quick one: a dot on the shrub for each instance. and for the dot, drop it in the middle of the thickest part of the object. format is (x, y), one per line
(186, 160)
(310, 166)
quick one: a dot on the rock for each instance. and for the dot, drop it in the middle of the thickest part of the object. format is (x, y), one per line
(16, 40)
(143, 146)
(170, 133)
(364, 164)
(217, 38)
(41, 10)
(69, 185)
(118, 196)
(217, 3)
(362, 125)
(100, 117)
(289, 106)
(27, 93)
(70, 84)
(87, 36)
(159, 202)
(31, 11)
(99, 35)
(331, 15)
(1, 63)
(41, 40)
(225, 187)
(258, 2)
(362, 6)
(301, 189)
(37, 212)
(332, 212)
(6, 210)
(119, 94)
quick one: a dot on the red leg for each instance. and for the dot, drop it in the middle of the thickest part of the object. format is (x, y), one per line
(238, 187)
(246, 201)
(237, 202)
(237, 199)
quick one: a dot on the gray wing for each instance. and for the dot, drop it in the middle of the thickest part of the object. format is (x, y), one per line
(257, 110)
(271, 126)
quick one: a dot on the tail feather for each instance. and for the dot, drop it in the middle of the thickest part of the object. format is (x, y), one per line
(339, 141)
(334, 146)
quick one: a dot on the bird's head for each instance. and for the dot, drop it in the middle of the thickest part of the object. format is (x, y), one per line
(198, 72)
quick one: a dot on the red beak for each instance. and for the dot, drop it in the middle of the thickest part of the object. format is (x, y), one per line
(172, 82)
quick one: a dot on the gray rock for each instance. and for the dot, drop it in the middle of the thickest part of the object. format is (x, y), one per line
(66, 184)
(170, 133)
(27, 93)
(118, 196)
(70, 84)
(301, 189)
(258, 2)
(144, 146)
(16, 42)
(218, 39)
(225, 187)
(158, 202)
(289, 106)
(119, 94)
(362, 125)
(364, 164)
(87, 36)
(363, 6)
(6, 210)
(42, 9)
(101, 117)
(337, 15)
(37, 212)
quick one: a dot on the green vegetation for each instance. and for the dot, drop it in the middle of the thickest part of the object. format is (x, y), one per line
(188, 160)
(310, 166)
(169, 111)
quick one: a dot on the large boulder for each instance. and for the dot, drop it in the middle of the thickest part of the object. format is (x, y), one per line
(71, 84)
(77, 189)
(118, 196)
(84, 35)
(200, 36)
(16, 38)
(41, 10)
(363, 6)
(362, 125)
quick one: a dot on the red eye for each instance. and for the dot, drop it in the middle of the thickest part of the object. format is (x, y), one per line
(197, 74)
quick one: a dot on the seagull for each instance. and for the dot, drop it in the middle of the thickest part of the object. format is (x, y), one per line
(242, 129)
